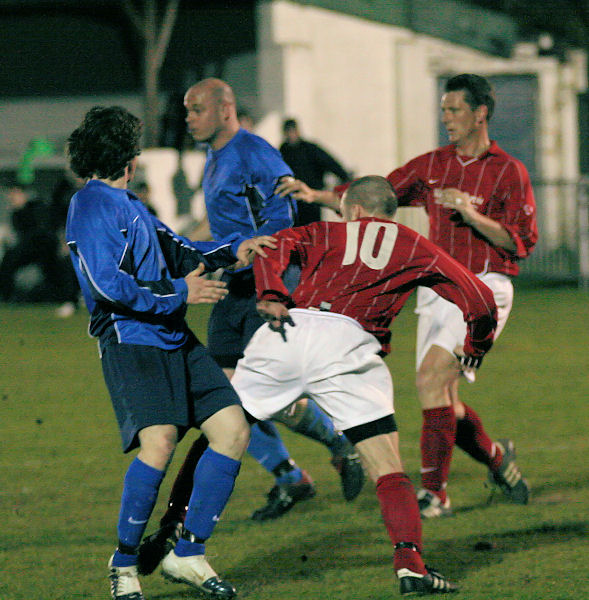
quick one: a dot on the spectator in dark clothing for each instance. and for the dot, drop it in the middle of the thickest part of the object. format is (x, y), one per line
(310, 163)
(69, 291)
(35, 244)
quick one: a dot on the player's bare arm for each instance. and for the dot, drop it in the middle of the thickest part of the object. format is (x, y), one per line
(461, 202)
(202, 290)
(249, 248)
(301, 191)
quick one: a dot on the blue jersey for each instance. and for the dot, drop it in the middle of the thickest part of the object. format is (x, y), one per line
(239, 183)
(131, 267)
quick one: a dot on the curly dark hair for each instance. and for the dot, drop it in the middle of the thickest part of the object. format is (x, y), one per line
(105, 143)
(477, 91)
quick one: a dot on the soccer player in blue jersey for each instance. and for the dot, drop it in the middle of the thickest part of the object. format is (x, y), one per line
(137, 278)
(241, 173)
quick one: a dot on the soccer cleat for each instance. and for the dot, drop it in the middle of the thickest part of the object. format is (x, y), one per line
(430, 505)
(124, 583)
(417, 584)
(196, 571)
(154, 547)
(281, 498)
(508, 476)
(351, 473)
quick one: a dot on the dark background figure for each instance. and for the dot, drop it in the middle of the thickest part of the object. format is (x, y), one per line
(310, 163)
(69, 290)
(35, 244)
(246, 121)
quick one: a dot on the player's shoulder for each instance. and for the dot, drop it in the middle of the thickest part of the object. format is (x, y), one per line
(505, 158)
(98, 200)
(254, 143)
(440, 154)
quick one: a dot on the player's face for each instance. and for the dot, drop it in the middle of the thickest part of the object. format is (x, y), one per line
(462, 123)
(204, 115)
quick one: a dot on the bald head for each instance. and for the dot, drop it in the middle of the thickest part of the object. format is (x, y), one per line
(370, 196)
(218, 90)
(211, 114)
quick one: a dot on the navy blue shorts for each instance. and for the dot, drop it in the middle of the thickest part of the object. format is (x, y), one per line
(151, 386)
(233, 320)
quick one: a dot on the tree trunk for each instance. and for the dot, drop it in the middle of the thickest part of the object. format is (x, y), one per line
(155, 44)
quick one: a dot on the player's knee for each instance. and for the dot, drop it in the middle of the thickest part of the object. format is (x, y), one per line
(232, 441)
(157, 445)
(292, 415)
(433, 378)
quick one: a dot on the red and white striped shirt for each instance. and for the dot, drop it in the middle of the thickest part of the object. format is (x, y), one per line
(502, 191)
(366, 270)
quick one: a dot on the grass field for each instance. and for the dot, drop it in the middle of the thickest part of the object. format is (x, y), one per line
(61, 475)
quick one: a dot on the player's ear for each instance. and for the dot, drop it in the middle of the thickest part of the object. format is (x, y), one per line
(481, 114)
(357, 211)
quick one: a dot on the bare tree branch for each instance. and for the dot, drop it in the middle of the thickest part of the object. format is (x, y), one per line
(133, 15)
(170, 15)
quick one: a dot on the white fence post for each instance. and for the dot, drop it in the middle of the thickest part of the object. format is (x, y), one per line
(583, 221)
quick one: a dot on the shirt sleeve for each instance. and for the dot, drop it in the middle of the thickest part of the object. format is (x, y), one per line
(270, 212)
(454, 282)
(409, 184)
(102, 250)
(184, 255)
(518, 212)
(268, 271)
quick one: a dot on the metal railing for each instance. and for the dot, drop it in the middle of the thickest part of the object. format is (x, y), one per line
(562, 252)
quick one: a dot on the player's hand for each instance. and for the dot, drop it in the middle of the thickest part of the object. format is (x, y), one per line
(469, 362)
(454, 199)
(297, 189)
(202, 290)
(249, 248)
(276, 315)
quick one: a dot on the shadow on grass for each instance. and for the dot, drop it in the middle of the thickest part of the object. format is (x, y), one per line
(358, 548)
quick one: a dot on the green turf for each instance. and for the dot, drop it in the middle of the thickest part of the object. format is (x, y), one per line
(61, 475)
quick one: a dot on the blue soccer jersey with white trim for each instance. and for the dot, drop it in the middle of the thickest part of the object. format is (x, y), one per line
(239, 183)
(131, 266)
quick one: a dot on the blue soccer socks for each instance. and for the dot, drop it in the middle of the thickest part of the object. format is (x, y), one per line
(269, 450)
(140, 491)
(315, 424)
(214, 479)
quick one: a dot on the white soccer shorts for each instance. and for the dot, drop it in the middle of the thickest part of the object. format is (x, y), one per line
(327, 357)
(441, 322)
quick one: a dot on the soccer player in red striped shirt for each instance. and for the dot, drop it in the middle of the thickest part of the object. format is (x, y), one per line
(482, 211)
(355, 278)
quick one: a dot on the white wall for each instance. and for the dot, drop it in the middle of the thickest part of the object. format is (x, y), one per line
(369, 91)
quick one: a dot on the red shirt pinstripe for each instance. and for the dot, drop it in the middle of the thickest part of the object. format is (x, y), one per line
(366, 269)
(501, 187)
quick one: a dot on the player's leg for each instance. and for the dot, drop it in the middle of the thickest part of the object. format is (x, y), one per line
(498, 456)
(154, 547)
(306, 418)
(291, 483)
(440, 330)
(471, 436)
(15, 258)
(219, 415)
(141, 403)
(398, 505)
(436, 374)
(360, 400)
(140, 490)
